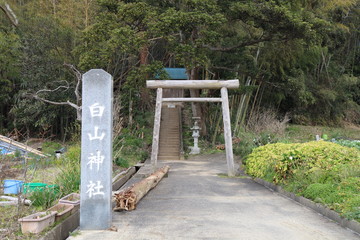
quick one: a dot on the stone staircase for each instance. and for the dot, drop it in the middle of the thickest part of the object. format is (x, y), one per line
(169, 144)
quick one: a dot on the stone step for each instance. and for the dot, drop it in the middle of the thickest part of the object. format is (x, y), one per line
(165, 141)
(170, 149)
(176, 150)
(169, 142)
(168, 157)
(169, 137)
(169, 145)
(169, 154)
(170, 127)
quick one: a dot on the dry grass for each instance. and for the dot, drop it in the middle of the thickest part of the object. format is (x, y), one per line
(267, 121)
(9, 226)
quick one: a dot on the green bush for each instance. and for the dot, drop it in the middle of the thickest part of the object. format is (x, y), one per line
(322, 171)
(282, 160)
(122, 162)
(131, 146)
(249, 141)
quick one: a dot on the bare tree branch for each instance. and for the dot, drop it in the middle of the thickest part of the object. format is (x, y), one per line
(78, 76)
(54, 90)
(56, 103)
(10, 14)
(77, 106)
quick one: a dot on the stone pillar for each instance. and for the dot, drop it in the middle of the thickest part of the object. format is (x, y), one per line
(96, 150)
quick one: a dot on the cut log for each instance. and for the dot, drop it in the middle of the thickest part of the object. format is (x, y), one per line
(127, 199)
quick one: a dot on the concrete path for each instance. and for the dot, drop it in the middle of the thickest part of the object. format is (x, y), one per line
(194, 202)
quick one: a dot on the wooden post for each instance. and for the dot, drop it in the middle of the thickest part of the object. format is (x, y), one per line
(156, 131)
(227, 132)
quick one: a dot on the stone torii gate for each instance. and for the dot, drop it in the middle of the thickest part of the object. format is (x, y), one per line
(223, 85)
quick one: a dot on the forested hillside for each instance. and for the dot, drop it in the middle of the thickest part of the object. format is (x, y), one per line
(296, 56)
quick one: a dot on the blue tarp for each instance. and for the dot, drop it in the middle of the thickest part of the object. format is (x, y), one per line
(6, 148)
(4, 151)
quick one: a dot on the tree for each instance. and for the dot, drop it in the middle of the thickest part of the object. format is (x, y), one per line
(9, 73)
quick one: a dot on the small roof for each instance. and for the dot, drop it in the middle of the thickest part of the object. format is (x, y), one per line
(176, 73)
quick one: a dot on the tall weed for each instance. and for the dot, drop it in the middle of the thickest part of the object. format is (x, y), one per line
(69, 177)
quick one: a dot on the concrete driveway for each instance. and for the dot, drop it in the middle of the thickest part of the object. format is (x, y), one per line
(194, 202)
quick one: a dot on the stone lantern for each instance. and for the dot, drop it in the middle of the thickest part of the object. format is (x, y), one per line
(196, 134)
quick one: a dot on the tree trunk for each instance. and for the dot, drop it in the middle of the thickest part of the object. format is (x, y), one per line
(144, 53)
(127, 200)
(196, 107)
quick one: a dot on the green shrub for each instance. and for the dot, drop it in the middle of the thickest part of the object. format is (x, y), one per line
(322, 171)
(249, 141)
(283, 160)
(122, 162)
(263, 159)
(131, 145)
